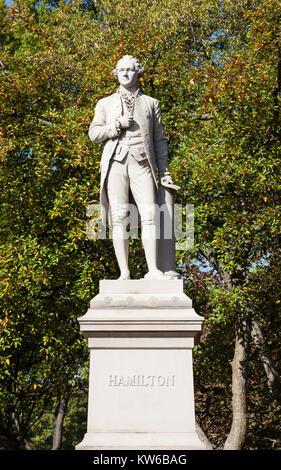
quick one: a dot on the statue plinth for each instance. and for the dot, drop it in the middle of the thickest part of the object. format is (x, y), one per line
(141, 335)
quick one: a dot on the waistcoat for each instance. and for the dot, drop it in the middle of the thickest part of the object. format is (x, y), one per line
(130, 142)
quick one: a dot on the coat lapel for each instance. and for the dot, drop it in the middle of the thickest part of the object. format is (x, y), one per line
(116, 106)
(142, 113)
(144, 119)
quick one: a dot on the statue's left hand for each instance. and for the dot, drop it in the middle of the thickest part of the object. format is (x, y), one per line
(167, 182)
(167, 179)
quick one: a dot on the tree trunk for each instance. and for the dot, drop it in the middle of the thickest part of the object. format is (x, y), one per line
(58, 422)
(18, 420)
(272, 375)
(12, 444)
(202, 436)
(238, 431)
(27, 445)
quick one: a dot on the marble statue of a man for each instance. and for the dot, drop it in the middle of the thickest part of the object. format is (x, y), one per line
(135, 152)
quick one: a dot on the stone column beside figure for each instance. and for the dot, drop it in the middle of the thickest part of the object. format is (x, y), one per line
(166, 254)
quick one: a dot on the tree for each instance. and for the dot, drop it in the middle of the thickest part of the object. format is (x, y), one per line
(43, 280)
(215, 67)
(231, 175)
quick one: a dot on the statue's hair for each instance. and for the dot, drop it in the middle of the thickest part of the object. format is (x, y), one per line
(138, 65)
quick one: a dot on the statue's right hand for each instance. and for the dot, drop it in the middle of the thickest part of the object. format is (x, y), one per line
(125, 121)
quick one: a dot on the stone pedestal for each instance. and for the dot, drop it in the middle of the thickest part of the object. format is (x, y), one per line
(141, 334)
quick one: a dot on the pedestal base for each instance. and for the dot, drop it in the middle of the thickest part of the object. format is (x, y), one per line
(141, 441)
(141, 335)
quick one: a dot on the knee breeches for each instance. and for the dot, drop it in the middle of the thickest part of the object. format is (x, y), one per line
(136, 176)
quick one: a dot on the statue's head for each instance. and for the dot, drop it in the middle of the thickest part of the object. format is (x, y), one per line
(128, 68)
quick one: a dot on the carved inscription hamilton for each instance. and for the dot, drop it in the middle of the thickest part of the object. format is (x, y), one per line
(141, 380)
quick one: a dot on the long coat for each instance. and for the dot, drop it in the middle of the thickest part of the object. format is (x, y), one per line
(103, 127)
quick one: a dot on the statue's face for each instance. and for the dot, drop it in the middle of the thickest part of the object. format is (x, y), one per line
(127, 73)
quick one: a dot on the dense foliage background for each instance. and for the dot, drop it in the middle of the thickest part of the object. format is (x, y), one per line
(215, 67)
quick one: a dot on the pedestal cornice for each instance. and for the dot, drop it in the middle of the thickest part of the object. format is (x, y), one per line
(140, 305)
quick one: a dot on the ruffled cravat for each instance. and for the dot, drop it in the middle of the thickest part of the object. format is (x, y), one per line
(129, 100)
